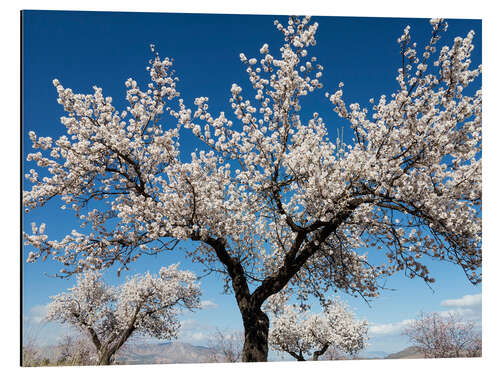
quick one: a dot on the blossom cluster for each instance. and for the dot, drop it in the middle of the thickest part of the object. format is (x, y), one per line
(439, 335)
(302, 333)
(143, 305)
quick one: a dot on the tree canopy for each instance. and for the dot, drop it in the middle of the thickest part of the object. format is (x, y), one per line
(143, 305)
(300, 333)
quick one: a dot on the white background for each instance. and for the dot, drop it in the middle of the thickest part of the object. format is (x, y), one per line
(11, 159)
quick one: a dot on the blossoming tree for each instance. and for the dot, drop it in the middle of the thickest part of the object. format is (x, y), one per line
(299, 333)
(144, 305)
(272, 200)
(444, 335)
(226, 346)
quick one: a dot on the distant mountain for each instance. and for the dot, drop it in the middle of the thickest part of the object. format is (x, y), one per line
(374, 354)
(180, 352)
(171, 352)
(408, 353)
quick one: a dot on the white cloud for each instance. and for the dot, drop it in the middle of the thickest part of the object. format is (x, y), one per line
(188, 324)
(467, 307)
(389, 328)
(194, 332)
(466, 301)
(38, 331)
(464, 313)
(36, 314)
(207, 304)
(198, 336)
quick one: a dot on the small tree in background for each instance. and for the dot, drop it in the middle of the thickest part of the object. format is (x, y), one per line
(227, 346)
(439, 336)
(335, 354)
(145, 304)
(76, 350)
(300, 333)
(31, 355)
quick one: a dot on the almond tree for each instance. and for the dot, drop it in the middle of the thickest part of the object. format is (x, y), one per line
(444, 336)
(300, 333)
(226, 346)
(75, 351)
(109, 316)
(272, 200)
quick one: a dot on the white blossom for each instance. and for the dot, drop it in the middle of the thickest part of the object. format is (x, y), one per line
(144, 305)
(302, 334)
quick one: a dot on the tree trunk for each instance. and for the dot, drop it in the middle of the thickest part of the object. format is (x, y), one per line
(298, 357)
(256, 325)
(255, 321)
(320, 352)
(105, 358)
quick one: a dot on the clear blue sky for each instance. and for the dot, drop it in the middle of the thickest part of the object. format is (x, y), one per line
(83, 49)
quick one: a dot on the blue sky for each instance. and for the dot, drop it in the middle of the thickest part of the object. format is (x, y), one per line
(83, 49)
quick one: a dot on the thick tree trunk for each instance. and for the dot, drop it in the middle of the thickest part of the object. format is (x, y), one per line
(255, 321)
(256, 325)
(320, 352)
(105, 358)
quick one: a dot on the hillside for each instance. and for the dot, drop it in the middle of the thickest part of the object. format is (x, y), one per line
(171, 352)
(408, 353)
(179, 352)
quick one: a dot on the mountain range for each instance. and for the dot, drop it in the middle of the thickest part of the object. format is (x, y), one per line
(170, 352)
(180, 352)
